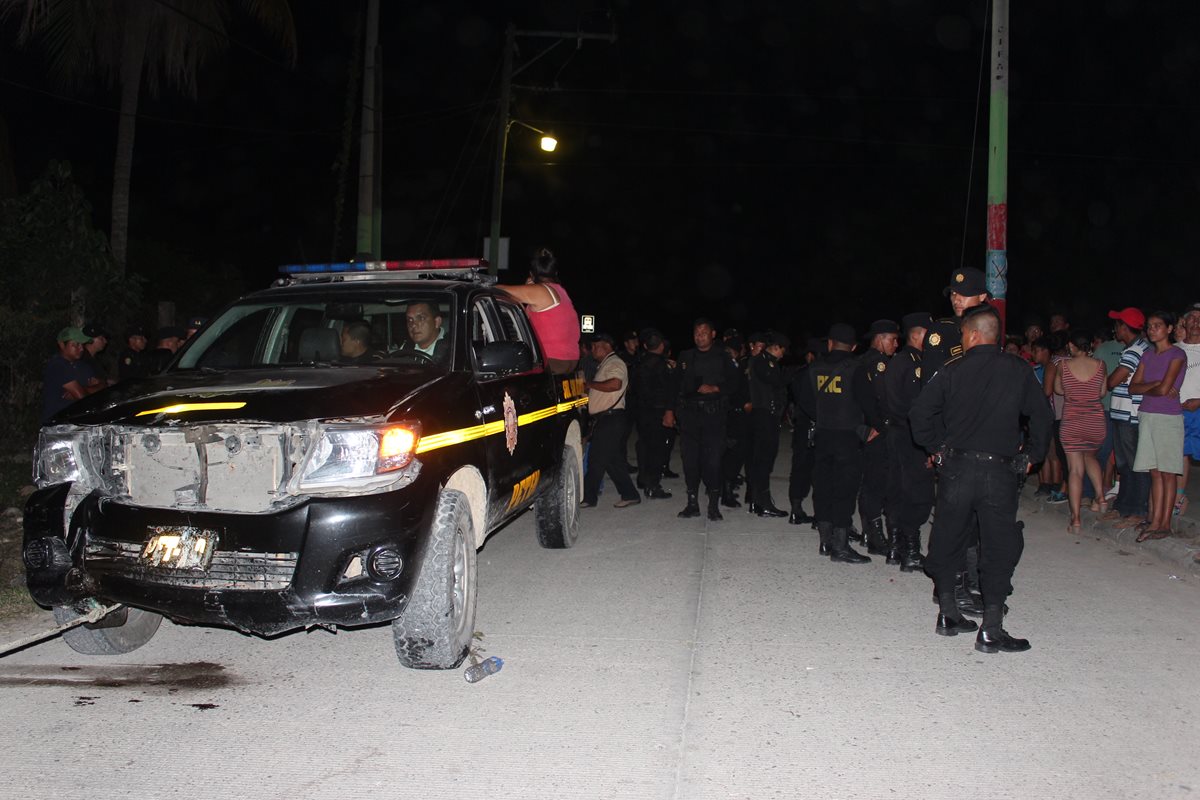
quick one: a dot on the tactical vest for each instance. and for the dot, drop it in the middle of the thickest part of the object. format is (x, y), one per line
(836, 407)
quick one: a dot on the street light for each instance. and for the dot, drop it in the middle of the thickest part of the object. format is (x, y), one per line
(548, 144)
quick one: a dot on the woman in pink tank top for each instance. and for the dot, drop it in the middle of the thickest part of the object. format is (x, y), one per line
(550, 312)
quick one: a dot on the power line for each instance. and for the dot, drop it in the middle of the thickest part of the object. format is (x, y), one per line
(224, 35)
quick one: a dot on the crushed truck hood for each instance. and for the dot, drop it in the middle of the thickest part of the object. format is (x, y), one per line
(269, 395)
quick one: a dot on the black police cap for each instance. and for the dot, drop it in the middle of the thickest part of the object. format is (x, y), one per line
(95, 329)
(917, 319)
(882, 326)
(776, 338)
(137, 330)
(843, 333)
(966, 281)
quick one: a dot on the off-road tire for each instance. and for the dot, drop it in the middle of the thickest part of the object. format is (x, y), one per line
(140, 626)
(557, 509)
(436, 628)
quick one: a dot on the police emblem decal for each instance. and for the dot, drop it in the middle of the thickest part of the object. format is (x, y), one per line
(917, 372)
(510, 423)
(959, 278)
(880, 366)
(935, 339)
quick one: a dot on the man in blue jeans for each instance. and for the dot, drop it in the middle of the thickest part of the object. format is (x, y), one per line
(1133, 499)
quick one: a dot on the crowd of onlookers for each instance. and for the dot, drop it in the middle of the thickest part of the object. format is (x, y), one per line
(1126, 400)
(82, 365)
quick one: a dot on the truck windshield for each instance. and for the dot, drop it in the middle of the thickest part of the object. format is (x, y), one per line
(380, 328)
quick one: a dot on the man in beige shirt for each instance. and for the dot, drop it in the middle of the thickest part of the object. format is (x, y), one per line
(606, 407)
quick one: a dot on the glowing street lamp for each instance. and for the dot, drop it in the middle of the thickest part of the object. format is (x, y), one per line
(548, 144)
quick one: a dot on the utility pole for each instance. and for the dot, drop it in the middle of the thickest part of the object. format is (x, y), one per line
(504, 120)
(997, 193)
(370, 153)
(510, 44)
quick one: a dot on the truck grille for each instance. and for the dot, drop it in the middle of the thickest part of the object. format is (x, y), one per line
(228, 570)
(226, 467)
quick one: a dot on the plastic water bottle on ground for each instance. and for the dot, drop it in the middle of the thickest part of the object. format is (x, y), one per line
(488, 666)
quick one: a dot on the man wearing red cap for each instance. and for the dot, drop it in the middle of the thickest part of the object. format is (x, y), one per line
(1133, 497)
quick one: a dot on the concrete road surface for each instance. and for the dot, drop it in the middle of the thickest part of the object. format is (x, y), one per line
(660, 658)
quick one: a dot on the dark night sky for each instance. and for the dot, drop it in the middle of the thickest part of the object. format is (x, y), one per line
(768, 164)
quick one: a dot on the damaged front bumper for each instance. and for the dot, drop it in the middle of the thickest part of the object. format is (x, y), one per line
(324, 561)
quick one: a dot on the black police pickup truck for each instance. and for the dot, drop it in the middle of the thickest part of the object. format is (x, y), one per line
(329, 451)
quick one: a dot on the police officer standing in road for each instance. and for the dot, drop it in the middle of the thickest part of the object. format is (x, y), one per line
(839, 398)
(967, 289)
(706, 375)
(655, 384)
(737, 426)
(883, 334)
(631, 353)
(803, 429)
(768, 397)
(970, 414)
(910, 473)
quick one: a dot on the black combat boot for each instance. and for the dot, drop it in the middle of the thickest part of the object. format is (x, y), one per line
(854, 535)
(714, 507)
(895, 552)
(969, 603)
(767, 507)
(992, 638)
(692, 509)
(950, 621)
(911, 559)
(658, 493)
(841, 551)
(729, 497)
(877, 543)
(825, 531)
(798, 517)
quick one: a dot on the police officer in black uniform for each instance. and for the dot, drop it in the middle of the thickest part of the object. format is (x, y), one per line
(631, 353)
(170, 339)
(970, 414)
(803, 430)
(883, 334)
(768, 398)
(910, 473)
(967, 288)
(737, 426)
(132, 360)
(655, 384)
(839, 397)
(706, 376)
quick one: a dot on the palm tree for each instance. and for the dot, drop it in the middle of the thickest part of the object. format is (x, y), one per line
(128, 41)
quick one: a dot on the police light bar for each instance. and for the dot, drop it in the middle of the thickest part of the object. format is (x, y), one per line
(386, 266)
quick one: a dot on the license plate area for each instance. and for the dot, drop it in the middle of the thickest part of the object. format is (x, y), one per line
(179, 548)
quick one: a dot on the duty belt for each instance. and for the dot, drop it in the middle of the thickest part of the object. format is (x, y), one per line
(980, 456)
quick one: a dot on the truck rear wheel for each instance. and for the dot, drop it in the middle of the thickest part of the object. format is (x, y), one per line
(557, 509)
(437, 625)
(94, 640)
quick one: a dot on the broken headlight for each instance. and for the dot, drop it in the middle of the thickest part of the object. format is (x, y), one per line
(349, 458)
(62, 456)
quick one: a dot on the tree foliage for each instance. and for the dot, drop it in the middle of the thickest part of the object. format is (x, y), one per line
(57, 268)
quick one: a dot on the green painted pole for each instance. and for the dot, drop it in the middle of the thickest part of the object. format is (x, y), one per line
(997, 195)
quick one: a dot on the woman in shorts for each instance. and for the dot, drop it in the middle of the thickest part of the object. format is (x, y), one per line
(1158, 379)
